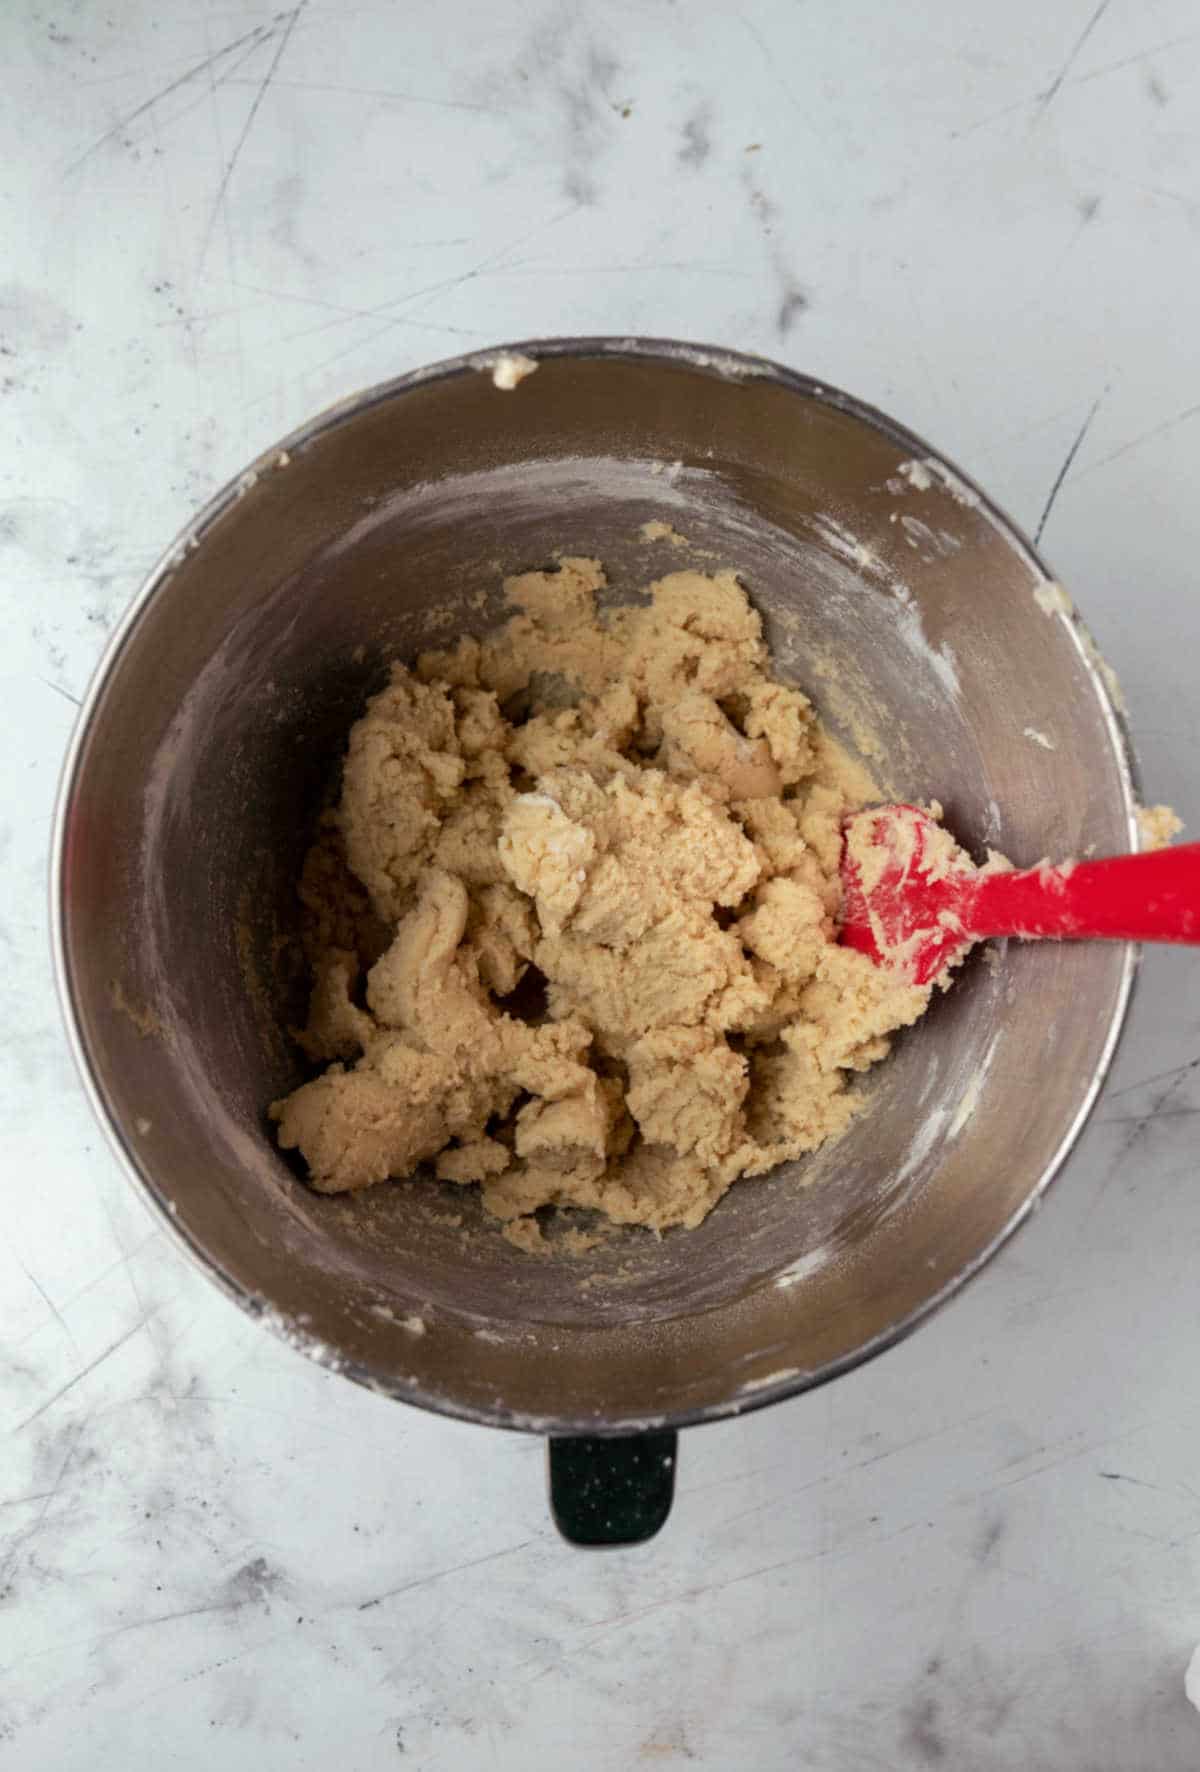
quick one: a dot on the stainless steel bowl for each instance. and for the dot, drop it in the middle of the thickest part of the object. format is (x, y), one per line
(891, 588)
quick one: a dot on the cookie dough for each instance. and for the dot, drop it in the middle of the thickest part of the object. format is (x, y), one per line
(1158, 826)
(572, 925)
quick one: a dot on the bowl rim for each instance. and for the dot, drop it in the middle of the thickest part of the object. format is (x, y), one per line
(728, 365)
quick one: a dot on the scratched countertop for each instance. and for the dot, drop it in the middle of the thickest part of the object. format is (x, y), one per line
(981, 1550)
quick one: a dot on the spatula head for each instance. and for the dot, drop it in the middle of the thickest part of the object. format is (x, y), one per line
(907, 890)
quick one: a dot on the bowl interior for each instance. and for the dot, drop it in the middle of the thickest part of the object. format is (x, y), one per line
(891, 593)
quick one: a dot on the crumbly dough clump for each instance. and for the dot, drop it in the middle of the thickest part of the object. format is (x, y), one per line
(572, 924)
(1158, 826)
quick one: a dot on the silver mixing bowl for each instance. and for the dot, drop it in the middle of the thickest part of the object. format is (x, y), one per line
(892, 590)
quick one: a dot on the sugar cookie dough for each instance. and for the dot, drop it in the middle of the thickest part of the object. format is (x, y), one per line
(1158, 826)
(572, 923)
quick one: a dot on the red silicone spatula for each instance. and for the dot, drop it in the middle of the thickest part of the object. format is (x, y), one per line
(906, 903)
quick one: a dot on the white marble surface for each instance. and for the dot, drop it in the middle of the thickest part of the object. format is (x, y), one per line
(216, 218)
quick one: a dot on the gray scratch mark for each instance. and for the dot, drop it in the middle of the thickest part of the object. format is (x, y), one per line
(691, 267)
(1071, 1456)
(429, 290)
(1139, 1125)
(826, 1555)
(406, 98)
(32, 1277)
(98, 1279)
(80, 1376)
(1100, 73)
(1181, 1113)
(251, 1586)
(215, 80)
(345, 313)
(1168, 424)
(1168, 1094)
(759, 1470)
(1072, 452)
(247, 126)
(771, 63)
(1046, 99)
(441, 1574)
(45, 1495)
(219, 136)
(232, 1605)
(823, 1480)
(189, 333)
(1130, 61)
(984, 122)
(35, 1526)
(1137, 1482)
(75, 702)
(358, 345)
(139, 1303)
(208, 1667)
(334, 307)
(906, 1445)
(1176, 1070)
(749, 1513)
(394, 246)
(122, 1630)
(918, 333)
(259, 34)
(405, 320)
(1185, 199)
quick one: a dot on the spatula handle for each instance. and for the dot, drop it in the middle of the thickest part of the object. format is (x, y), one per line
(1153, 897)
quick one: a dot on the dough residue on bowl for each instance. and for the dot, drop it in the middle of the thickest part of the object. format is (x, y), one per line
(572, 924)
(1158, 826)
